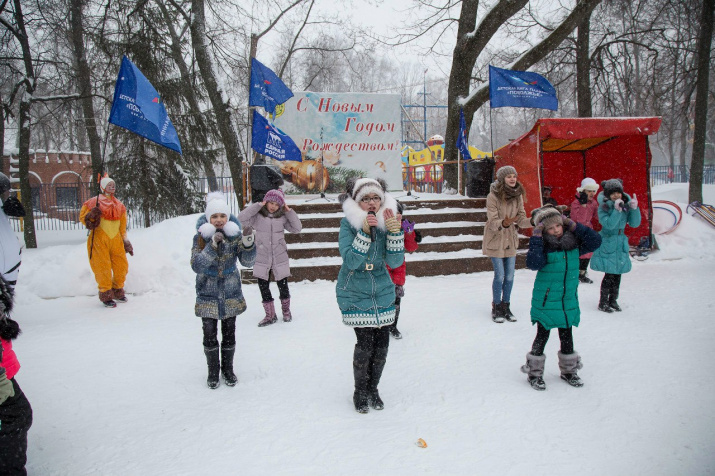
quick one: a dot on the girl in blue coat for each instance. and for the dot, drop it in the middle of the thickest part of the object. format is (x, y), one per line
(616, 210)
(370, 237)
(554, 301)
(217, 245)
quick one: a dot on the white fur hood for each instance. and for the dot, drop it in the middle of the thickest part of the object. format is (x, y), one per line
(356, 215)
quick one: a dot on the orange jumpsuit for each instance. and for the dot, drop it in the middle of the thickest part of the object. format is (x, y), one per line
(108, 259)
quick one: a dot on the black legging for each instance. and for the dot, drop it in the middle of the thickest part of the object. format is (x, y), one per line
(542, 337)
(371, 338)
(266, 292)
(228, 331)
(611, 283)
(583, 264)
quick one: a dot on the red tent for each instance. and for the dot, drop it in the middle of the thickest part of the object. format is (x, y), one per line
(561, 152)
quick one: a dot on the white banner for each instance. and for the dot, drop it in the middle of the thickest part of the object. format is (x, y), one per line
(350, 134)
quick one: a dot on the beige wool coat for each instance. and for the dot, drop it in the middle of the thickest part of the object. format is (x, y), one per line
(500, 242)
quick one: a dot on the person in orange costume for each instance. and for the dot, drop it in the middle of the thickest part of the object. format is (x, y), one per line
(107, 244)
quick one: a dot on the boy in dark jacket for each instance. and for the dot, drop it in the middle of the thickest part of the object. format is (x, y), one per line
(554, 301)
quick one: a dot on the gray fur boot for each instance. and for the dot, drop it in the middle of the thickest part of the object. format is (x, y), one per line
(570, 365)
(534, 368)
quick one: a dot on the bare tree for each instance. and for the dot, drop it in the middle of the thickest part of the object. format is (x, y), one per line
(701, 101)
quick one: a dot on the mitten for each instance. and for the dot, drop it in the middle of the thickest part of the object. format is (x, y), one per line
(633, 203)
(538, 230)
(407, 226)
(393, 225)
(217, 238)
(568, 223)
(618, 205)
(365, 226)
(128, 248)
(13, 208)
(6, 388)
(399, 291)
(248, 239)
(91, 219)
(582, 198)
(248, 230)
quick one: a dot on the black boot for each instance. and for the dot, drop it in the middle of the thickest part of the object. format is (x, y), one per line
(497, 315)
(603, 302)
(212, 359)
(227, 365)
(393, 328)
(377, 364)
(612, 297)
(361, 372)
(583, 278)
(506, 312)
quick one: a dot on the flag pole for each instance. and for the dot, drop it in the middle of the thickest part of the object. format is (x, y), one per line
(491, 131)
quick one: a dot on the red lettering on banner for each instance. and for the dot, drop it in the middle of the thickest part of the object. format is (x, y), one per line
(300, 106)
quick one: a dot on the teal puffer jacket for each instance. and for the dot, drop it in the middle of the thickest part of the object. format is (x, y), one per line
(554, 301)
(612, 257)
(365, 292)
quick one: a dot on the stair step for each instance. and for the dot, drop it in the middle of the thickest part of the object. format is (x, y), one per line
(301, 206)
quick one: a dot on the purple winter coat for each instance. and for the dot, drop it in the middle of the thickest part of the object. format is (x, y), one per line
(272, 250)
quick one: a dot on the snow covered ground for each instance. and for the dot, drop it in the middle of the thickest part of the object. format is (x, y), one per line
(122, 391)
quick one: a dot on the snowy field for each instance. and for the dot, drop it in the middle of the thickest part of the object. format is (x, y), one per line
(123, 391)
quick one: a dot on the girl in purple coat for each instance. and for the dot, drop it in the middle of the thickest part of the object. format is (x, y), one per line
(584, 210)
(270, 218)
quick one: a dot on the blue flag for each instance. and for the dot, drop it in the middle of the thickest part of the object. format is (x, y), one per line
(462, 140)
(268, 140)
(138, 107)
(520, 89)
(267, 90)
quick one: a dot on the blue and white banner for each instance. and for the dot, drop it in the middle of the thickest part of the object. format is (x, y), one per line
(267, 89)
(271, 141)
(138, 108)
(520, 89)
(463, 140)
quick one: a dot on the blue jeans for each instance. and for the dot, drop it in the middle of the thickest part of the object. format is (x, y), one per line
(503, 279)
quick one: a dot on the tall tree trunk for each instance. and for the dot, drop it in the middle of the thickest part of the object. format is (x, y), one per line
(84, 82)
(462, 65)
(701, 102)
(583, 68)
(220, 107)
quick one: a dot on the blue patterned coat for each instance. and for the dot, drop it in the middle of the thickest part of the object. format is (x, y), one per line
(365, 292)
(218, 280)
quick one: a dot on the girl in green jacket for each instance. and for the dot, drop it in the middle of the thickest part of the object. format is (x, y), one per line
(370, 237)
(554, 301)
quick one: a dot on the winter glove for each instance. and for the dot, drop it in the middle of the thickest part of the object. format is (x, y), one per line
(13, 208)
(248, 239)
(393, 225)
(582, 198)
(128, 248)
(633, 203)
(92, 219)
(248, 230)
(217, 239)
(569, 223)
(618, 205)
(6, 388)
(399, 291)
(538, 230)
(407, 226)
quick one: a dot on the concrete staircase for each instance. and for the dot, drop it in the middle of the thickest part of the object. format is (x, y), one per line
(451, 230)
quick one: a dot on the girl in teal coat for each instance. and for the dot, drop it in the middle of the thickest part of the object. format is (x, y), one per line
(370, 237)
(554, 301)
(616, 210)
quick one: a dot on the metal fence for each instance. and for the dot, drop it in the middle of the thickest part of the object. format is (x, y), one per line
(662, 174)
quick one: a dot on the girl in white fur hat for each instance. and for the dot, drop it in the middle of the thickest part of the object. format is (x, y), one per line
(584, 210)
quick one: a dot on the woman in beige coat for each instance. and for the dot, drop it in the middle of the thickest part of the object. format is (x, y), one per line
(505, 212)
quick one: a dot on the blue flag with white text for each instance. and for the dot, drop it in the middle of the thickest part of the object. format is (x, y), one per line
(268, 140)
(138, 108)
(267, 89)
(462, 140)
(520, 89)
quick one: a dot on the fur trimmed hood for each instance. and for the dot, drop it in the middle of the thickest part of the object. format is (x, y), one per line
(356, 215)
(231, 229)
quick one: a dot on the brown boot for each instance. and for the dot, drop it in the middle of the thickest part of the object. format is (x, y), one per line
(119, 295)
(107, 298)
